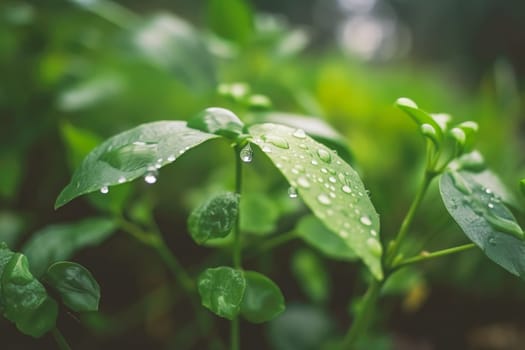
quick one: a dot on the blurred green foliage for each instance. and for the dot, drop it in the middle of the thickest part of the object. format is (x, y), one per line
(73, 73)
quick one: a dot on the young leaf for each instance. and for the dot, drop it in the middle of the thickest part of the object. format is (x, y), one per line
(419, 116)
(217, 121)
(222, 290)
(76, 285)
(329, 186)
(485, 220)
(215, 218)
(25, 299)
(140, 151)
(314, 232)
(60, 242)
(262, 299)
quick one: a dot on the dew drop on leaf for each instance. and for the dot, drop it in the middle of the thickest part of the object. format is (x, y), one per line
(292, 192)
(121, 180)
(299, 133)
(303, 182)
(324, 155)
(346, 189)
(492, 241)
(365, 220)
(150, 178)
(246, 154)
(104, 189)
(374, 246)
(324, 199)
(277, 141)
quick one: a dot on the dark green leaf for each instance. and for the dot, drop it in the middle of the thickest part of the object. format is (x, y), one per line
(317, 128)
(217, 121)
(25, 299)
(215, 218)
(60, 242)
(5, 256)
(485, 220)
(315, 233)
(76, 285)
(329, 186)
(222, 290)
(262, 300)
(135, 153)
(259, 213)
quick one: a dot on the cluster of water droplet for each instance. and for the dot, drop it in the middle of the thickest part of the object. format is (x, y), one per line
(339, 195)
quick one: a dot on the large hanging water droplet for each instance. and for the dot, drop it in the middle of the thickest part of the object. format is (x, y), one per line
(324, 155)
(151, 177)
(374, 246)
(132, 156)
(324, 199)
(246, 154)
(299, 133)
(277, 141)
(365, 220)
(303, 182)
(292, 192)
(104, 189)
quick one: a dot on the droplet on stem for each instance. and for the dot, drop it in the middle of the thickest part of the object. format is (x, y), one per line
(246, 154)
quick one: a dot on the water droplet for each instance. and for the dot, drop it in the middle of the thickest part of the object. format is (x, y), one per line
(303, 146)
(171, 158)
(182, 151)
(373, 233)
(504, 225)
(488, 191)
(332, 179)
(299, 133)
(104, 189)
(492, 240)
(266, 149)
(150, 178)
(277, 141)
(343, 234)
(324, 170)
(331, 194)
(132, 156)
(365, 220)
(490, 205)
(121, 180)
(374, 246)
(302, 182)
(314, 162)
(292, 192)
(346, 189)
(324, 199)
(324, 155)
(246, 154)
(341, 178)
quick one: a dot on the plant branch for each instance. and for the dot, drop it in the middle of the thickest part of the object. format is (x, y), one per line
(60, 340)
(423, 256)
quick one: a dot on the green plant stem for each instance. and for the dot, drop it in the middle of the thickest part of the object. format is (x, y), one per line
(60, 340)
(394, 246)
(277, 241)
(235, 336)
(364, 314)
(431, 255)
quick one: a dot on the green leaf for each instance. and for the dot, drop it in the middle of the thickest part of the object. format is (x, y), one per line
(218, 121)
(138, 152)
(5, 256)
(76, 285)
(330, 187)
(419, 116)
(221, 290)
(315, 233)
(262, 299)
(259, 213)
(522, 186)
(311, 274)
(25, 299)
(317, 128)
(60, 242)
(485, 220)
(231, 19)
(215, 218)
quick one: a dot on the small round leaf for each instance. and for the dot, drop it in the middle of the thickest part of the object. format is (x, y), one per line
(262, 300)
(218, 121)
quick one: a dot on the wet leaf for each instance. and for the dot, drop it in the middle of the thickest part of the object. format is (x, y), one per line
(76, 285)
(217, 121)
(138, 152)
(419, 116)
(329, 186)
(215, 218)
(262, 299)
(25, 299)
(485, 220)
(221, 290)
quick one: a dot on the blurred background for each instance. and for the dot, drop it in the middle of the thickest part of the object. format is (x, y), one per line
(73, 73)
